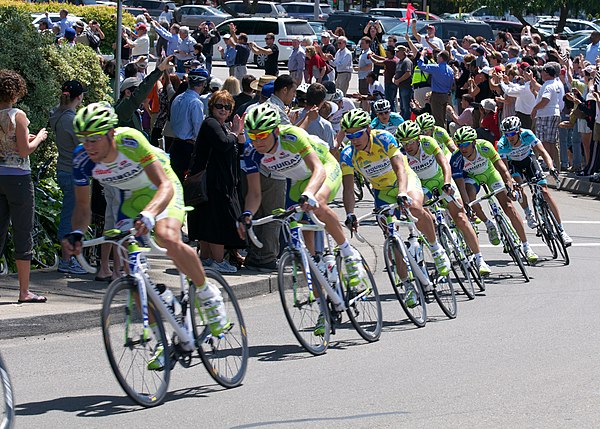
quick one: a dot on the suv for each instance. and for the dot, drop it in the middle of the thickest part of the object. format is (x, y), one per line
(193, 15)
(306, 11)
(284, 30)
(401, 13)
(572, 24)
(355, 22)
(444, 29)
(238, 8)
(154, 7)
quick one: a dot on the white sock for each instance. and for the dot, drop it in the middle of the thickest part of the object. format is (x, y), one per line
(478, 257)
(525, 245)
(346, 249)
(435, 246)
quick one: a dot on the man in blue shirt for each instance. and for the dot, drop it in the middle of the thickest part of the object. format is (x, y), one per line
(171, 36)
(442, 78)
(187, 114)
(228, 54)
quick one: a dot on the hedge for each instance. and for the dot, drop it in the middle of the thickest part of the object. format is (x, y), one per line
(105, 15)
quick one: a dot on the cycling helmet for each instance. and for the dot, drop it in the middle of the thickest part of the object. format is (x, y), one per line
(510, 124)
(337, 97)
(426, 121)
(198, 75)
(355, 118)
(94, 119)
(262, 118)
(408, 130)
(465, 134)
(381, 106)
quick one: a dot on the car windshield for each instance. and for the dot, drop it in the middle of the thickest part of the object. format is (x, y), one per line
(213, 10)
(401, 29)
(389, 23)
(298, 29)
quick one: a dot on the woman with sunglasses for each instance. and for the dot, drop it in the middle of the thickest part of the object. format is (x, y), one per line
(375, 154)
(385, 119)
(476, 162)
(519, 148)
(214, 223)
(427, 159)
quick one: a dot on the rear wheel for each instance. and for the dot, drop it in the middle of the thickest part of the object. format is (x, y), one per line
(559, 243)
(458, 262)
(544, 228)
(443, 290)
(512, 244)
(43, 253)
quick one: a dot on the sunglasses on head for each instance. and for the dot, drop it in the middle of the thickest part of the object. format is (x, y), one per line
(464, 144)
(511, 134)
(220, 106)
(355, 135)
(89, 139)
(261, 135)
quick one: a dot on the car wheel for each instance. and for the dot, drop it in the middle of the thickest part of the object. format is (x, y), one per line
(260, 60)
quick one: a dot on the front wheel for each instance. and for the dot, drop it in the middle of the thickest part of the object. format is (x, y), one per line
(458, 261)
(43, 253)
(226, 356)
(443, 290)
(512, 244)
(305, 309)
(131, 350)
(558, 241)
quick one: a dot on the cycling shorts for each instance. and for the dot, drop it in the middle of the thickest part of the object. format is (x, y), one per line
(529, 168)
(387, 196)
(333, 181)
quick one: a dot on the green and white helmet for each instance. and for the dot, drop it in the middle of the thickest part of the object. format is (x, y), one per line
(465, 134)
(262, 118)
(426, 121)
(355, 118)
(94, 119)
(408, 130)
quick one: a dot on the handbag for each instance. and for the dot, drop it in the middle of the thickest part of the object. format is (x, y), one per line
(195, 187)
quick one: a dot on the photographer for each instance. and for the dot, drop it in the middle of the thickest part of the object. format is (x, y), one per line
(207, 36)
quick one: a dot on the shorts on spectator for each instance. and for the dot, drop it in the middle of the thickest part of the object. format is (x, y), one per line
(546, 128)
(582, 126)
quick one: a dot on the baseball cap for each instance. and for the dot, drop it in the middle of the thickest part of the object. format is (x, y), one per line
(130, 82)
(430, 26)
(486, 70)
(226, 36)
(489, 104)
(480, 50)
(70, 33)
(325, 34)
(267, 90)
(192, 64)
(141, 26)
(73, 87)
(215, 84)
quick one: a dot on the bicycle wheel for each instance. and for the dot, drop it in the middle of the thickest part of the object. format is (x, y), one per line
(43, 253)
(458, 261)
(392, 254)
(7, 402)
(512, 244)
(358, 190)
(364, 311)
(559, 243)
(129, 350)
(302, 308)
(544, 228)
(443, 290)
(3, 265)
(226, 356)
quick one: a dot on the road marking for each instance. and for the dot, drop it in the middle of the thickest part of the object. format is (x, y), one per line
(584, 222)
(544, 245)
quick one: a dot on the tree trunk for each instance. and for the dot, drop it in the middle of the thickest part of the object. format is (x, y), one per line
(562, 20)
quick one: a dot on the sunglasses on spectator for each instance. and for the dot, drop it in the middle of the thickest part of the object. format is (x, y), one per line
(220, 106)
(89, 139)
(260, 135)
(511, 134)
(355, 135)
(464, 144)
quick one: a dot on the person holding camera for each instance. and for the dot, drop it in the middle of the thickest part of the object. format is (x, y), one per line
(442, 79)
(208, 37)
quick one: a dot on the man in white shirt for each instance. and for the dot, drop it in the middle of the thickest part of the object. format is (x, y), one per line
(342, 61)
(546, 112)
(365, 65)
(431, 41)
(592, 51)
(296, 62)
(166, 15)
(185, 48)
(141, 45)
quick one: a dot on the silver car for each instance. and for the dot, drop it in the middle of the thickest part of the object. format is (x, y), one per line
(193, 15)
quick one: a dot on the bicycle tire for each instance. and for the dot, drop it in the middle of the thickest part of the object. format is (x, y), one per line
(3, 265)
(479, 281)
(443, 290)
(122, 319)
(7, 402)
(365, 313)
(418, 313)
(511, 243)
(544, 227)
(459, 264)
(225, 357)
(560, 244)
(358, 190)
(43, 253)
(301, 308)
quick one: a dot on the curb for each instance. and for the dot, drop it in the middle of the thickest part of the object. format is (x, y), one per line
(580, 186)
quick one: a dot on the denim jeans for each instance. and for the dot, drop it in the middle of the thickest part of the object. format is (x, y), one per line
(570, 137)
(391, 92)
(65, 183)
(404, 98)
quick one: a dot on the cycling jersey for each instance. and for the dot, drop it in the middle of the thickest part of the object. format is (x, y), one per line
(425, 165)
(391, 126)
(528, 141)
(127, 173)
(293, 145)
(481, 169)
(442, 137)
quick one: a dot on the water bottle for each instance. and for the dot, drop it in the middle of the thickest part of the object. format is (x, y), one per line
(169, 299)
(415, 249)
(331, 267)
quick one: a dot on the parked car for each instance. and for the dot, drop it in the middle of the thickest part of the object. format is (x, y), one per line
(572, 24)
(303, 10)
(54, 17)
(578, 43)
(354, 22)
(511, 27)
(485, 13)
(284, 30)
(154, 7)
(192, 15)
(237, 8)
(401, 13)
(444, 29)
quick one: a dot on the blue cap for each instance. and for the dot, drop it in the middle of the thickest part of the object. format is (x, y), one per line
(70, 33)
(267, 90)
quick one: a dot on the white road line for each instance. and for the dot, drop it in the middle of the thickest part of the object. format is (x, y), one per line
(584, 222)
(543, 245)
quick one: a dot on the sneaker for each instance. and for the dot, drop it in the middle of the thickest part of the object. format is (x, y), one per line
(319, 330)
(492, 232)
(484, 269)
(207, 262)
(356, 273)
(565, 238)
(532, 258)
(410, 299)
(63, 266)
(224, 267)
(75, 267)
(442, 263)
(531, 222)
(157, 361)
(214, 309)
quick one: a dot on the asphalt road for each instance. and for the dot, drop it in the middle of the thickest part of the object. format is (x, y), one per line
(519, 355)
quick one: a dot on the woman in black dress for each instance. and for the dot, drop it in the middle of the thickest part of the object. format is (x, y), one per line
(214, 222)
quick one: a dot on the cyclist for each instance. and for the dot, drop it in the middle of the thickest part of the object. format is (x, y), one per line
(426, 159)
(519, 147)
(314, 174)
(385, 119)
(151, 194)
(376, 155)
(476, 162)
(426, 122)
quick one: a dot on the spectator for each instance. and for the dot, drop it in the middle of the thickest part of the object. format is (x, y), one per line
(309, 117)
(216, 150)
(442, 79)
(592, 51)
(271, 50)
(466, 116)
(246, 95)
(242, 52)
(297, 61)
(342, 61)
(199, 56)
(402, 79)
(389, 71)
(166, 15)
(208, 37)
(421, 81)
(375, 91)
(431, 40)
(167, 86)
(520, 89)
(214, 85)
(171, 36)
(187, 115)
(344, 105)
(228, 54)
(141, 45)
(480, 59)
(185, 48)
(69, 38)
(232, 86)
(317, 67)
(17, 202)
(284, 91)
(364, 66)
(374, 32)
(65, 22)
(513, 55)
(61, 122)
(327, 51)
(489, 118)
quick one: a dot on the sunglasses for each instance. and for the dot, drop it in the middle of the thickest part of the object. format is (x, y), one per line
(220, 106)
(384, 113)
(511, 134)
(260, 135)
(89, 139)
(355, 135)
(464, 144)
(407, 142)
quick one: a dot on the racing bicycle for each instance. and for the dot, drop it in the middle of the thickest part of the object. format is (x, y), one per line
(7, 403)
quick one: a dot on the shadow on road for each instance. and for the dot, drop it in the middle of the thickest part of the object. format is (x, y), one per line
(320, 419)
(279, 352)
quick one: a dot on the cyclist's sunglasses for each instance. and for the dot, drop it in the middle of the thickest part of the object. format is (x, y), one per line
(260, 135)
(387, 112)
(511, 134)
(464, 144)
(220, 106)
(407, 142)
(89, 139)
(355, 135)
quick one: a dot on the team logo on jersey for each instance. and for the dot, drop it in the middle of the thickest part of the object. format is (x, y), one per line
(133, 143)
(289, 137)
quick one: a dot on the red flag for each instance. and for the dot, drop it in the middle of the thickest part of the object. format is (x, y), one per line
(410, 11)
